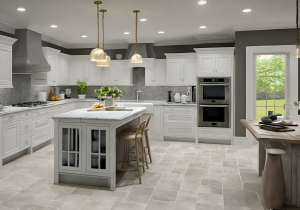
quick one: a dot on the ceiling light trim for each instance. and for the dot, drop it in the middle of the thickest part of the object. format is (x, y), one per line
(263, 26)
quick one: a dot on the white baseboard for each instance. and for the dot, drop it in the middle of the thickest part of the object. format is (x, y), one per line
(242, 141)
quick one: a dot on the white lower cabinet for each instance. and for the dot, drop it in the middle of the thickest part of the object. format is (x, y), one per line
(11, 136)
(25, 141)
(97, 149)
(180, 131)
(156, 124)
(214, 133)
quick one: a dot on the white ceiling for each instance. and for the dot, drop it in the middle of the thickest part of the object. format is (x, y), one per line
(179, 19)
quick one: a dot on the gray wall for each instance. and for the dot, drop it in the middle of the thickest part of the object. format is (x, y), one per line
(253, 38)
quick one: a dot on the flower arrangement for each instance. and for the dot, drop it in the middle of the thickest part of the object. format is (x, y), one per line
(108, 92)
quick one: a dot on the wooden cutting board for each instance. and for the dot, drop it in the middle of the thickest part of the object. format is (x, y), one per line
(276, 128)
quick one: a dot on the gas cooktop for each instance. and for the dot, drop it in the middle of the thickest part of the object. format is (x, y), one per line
(31, 104)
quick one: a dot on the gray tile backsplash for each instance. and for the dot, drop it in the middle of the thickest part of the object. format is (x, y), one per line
(23, 91)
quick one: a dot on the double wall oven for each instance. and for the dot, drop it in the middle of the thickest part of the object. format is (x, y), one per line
(214, 102)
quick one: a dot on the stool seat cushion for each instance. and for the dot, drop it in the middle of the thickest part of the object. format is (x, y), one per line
(128, 136)
(133, 129)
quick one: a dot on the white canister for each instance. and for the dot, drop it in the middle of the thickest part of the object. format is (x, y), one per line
(177, 98)
(62, 96)
(42, 96)
(184, 99)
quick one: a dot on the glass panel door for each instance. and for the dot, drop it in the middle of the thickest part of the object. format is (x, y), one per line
(70, 147)
(270, 84)
(97, 147)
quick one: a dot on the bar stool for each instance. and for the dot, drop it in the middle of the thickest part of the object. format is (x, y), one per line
(273, 186)
(137, 137)
(147, 143)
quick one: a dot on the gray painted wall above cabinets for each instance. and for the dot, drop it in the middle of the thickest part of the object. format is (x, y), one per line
(253, 38)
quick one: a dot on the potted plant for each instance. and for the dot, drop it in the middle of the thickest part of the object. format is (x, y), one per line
(109, 94)
(82, 89)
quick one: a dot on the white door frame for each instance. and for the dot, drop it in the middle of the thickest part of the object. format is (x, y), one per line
(291, 77)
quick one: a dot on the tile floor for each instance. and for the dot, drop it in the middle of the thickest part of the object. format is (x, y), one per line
(183, 176)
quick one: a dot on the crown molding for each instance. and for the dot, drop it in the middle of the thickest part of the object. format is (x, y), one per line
(207, 39)
(180, 55)
(36, 28)
(175, 42)
(54, 41)
(214, 50)
(7, 24)
(7, 40)
(263, 26)
(120, 45)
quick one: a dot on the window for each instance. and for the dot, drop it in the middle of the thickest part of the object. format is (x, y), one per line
(270, 84)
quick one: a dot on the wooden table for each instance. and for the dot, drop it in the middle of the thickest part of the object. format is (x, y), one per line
(288, 141)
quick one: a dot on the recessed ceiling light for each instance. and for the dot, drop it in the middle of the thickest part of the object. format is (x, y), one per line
(21, 9)
(161, 32)
(143, 19)
(126, 33)
(53, 26)
(202, 26)
(202, 2)
(247, 10)
(84, 36)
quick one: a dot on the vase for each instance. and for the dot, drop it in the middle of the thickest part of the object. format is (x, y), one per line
(109, 102)
(81, 96)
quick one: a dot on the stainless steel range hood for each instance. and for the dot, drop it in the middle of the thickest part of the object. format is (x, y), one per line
(28, 56)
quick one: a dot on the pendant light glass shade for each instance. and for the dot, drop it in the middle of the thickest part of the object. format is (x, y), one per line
(98, 54)
(105, 63)
(136, 58)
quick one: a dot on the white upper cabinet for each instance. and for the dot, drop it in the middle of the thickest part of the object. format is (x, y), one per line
(118, 74)
(6, 61)
(215, 61)
(156, 73)
(84, 70)
(64, 69)
(49, 78)
(181, 69)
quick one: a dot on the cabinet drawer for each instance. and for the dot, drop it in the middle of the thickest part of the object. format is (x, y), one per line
(41, 113)
(11, 117)
(79, 105)
(25, 115)
(207, 133)
(25, 140)
(180, 109)
(60, 109)
(25, 126)
(54, 110)
(183, 119)
(40, 138)
(70, 107)
(41, 124)
(180, 131)
(223, 134)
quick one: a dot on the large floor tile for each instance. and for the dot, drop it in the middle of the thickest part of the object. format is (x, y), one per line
(140, 194)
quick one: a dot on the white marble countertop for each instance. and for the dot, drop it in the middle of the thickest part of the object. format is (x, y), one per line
(100, 115)
(9, 109)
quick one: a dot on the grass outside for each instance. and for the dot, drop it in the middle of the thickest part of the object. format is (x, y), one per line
(263, 106)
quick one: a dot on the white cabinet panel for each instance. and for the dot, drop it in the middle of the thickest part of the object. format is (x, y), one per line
(119, 73)
(158, 121)
(190, 72)
(52, 75)
(214, 133)
(180, 118)
(11, 136)
(156, 76)
(93, 74)
(25, 141)
(108, 74)
(124, 75)
(63, 72)
(224, 64)
(6, 67)
(25, 126)
(180, 131)
(78, 71)
(206, 64)
(174, 72)
(206, 133)
(41, 137)
(223, 134)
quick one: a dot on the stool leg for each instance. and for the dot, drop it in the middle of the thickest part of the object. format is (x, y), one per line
(148, 146)
(125, 154)
(144, 154)
(138, 160)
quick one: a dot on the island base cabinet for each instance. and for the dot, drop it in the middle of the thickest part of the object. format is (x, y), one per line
(97, 147)
(70, 148)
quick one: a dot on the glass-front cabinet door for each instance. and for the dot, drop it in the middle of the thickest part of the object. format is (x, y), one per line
(97, 149)
(70, 147)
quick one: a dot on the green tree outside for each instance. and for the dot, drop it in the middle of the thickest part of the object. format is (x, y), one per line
(270, 84)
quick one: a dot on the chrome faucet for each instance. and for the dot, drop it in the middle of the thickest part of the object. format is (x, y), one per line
(137, 95)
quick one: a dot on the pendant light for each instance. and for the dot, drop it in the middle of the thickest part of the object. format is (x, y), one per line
(136, 58)
(98, 53)
(106, 62)
(297, 53)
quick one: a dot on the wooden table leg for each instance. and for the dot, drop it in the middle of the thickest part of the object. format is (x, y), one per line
(262, 157)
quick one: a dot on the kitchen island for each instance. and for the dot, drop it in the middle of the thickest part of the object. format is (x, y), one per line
(85, 145)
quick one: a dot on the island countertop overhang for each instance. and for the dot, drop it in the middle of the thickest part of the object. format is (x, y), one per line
(100, 115)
